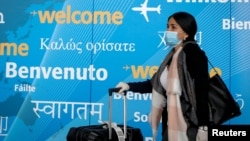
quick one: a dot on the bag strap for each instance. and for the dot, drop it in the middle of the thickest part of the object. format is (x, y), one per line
(213, 67)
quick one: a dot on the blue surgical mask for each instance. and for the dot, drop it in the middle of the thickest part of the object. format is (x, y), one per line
(171, 38)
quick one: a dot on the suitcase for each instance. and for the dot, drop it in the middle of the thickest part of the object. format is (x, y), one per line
(107, 131)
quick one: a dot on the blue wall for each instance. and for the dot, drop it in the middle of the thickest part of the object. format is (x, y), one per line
(58, 59)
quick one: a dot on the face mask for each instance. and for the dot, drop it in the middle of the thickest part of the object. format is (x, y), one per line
(171, 38)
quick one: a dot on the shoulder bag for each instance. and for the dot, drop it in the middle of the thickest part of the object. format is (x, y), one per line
(222, 106)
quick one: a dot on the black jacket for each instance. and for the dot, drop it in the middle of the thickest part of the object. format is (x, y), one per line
(197, 67)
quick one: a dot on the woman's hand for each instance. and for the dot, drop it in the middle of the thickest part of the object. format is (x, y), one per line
(124, 87)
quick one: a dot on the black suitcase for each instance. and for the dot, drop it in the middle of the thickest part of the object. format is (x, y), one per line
(106, 131)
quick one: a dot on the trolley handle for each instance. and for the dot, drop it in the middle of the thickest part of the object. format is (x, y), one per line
(115, 90)
(111, 91)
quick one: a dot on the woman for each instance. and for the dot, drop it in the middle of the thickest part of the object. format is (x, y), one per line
(180, 86)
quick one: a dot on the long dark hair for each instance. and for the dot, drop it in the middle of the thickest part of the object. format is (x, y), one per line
(187, 22)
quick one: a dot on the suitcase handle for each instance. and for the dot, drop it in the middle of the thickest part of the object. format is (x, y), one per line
(111, 91)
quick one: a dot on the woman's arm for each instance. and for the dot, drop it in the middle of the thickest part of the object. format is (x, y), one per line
(140, 87)
(198, 68)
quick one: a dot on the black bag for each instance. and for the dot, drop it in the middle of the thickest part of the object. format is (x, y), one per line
(221, 103)
(101, 133)
(107, 131)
